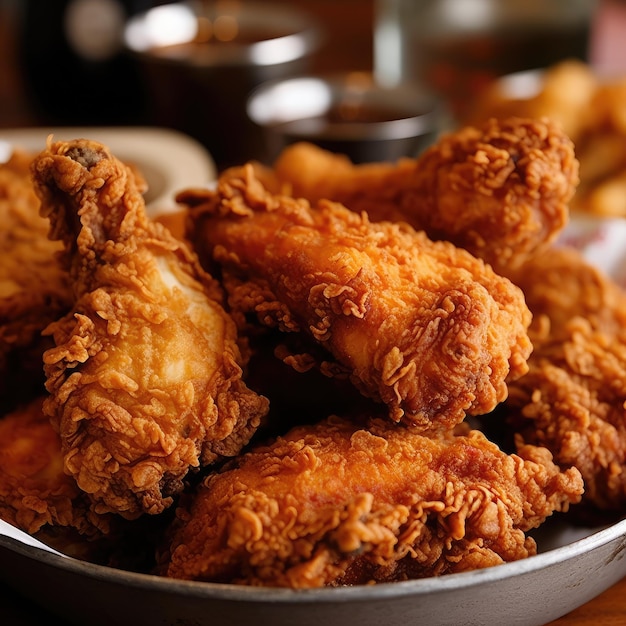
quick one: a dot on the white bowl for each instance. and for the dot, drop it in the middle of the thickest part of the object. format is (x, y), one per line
(169, 160)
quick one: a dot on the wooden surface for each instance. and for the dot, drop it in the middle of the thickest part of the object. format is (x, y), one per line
(608, 609)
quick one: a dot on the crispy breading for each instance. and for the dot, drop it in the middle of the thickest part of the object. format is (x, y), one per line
(573, 397)
(34, 490)
(500, 190)
(341, 503)
(421, 326)
(34, 290)
(145, 377)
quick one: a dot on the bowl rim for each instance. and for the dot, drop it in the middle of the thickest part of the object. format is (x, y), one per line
(304, 36)
(262, 111)
(272, 595)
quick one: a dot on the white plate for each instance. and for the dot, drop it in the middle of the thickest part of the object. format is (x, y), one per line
(170, 161)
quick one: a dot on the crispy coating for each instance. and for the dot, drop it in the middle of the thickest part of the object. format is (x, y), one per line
(572, 401)
(573, 397)
(422, 326)
(34, 490)
(500, 190)
(589, 107)
(560, 284)
(338, 503)
(145, 378)
(33, 289)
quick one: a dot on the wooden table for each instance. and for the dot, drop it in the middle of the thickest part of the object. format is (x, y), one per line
(608, 609)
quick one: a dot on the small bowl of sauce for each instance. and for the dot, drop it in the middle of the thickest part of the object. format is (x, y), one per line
(350, 114)
(200, 61)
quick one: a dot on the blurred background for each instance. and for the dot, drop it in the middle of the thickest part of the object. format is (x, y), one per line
(71, 63)
(48, 74)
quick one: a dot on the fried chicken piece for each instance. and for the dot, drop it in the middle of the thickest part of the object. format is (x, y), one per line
(34, 291)
(422, 326)
(145, 378)
(34, 490)
(341, 503)
(572, 401)
(560, 284)
(573, 397)
(38, 497)
(590, 109)
(500, 190)
(563, 92)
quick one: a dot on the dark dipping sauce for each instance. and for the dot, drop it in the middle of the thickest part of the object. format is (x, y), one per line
(208, 43)
(365, 133)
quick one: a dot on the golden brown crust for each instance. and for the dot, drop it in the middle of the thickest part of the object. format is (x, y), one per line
(338, 503)
(33, 289)
(500, 190)
(34, 490)
(145, 378)
(572, 399)
(424, 327)
(572, 402)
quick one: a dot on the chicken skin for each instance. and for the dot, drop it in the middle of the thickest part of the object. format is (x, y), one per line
(573, 397)
(145, 375)
(340, 503)
(500, 191)
(34, 490)
(420, 326)
(572, 401)
(560, 284)
(34, 291)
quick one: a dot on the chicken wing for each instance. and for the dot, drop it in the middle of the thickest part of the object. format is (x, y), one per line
(341, 503)
(422, 326)
(500, 191)
(145, 377)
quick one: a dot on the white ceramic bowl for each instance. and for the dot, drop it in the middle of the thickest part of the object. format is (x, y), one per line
(168, 159)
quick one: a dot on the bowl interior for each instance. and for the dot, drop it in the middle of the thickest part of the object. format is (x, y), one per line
(224, 33)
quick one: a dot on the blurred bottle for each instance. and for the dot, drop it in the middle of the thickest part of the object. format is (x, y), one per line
(457, 47)
(73, 65)
(607, 49)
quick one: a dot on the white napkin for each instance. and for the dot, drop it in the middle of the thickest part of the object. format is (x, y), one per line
(602, 242)
(15, 533)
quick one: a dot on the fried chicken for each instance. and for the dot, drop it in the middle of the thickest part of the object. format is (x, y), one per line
(560, 284)
(572, 401)
(34, 490)
(589, 106)
(34, 291)
(573, 397)
(145, 377)
(421, 326)
(341, 503)
(500, 190)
